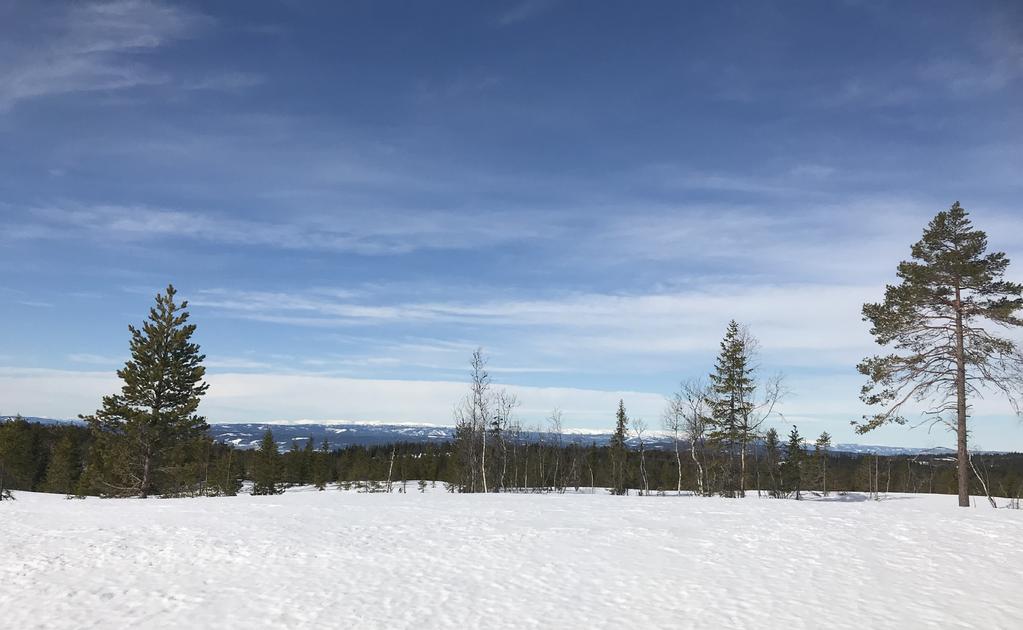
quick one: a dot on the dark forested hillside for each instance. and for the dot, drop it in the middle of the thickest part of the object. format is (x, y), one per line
(52, 458)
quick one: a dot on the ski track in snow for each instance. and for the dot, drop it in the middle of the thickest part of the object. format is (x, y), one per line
(330, 559)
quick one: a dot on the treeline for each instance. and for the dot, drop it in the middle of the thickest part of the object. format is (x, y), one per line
(53, 458)
(717, 423)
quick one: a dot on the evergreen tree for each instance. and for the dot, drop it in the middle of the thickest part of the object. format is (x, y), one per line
(22, 455)
(321, 466)
(619, 451)
(933, 321)
(792, 469)
(140, 434)
(820, 449)
(63, 470)
(308, 468)
(227, 473)
(5, 492)
(293, 464)
(731, 405)
(266, 473)
(591, 463)
(772, 456)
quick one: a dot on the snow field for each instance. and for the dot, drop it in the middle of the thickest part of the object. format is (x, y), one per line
(330, 559)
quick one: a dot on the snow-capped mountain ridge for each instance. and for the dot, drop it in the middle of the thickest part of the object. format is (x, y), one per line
(342, 434)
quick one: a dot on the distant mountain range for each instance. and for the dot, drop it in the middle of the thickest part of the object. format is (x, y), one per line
(340, 435)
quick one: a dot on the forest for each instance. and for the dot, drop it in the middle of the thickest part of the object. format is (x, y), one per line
(52, 458)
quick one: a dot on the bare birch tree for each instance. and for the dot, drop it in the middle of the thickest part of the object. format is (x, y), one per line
(505, 404)
(472, 421)
(674, 422)
(639, 431)
(690, 406)
(556, 434)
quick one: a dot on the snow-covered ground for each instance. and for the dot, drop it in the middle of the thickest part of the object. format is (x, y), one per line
(342, 559)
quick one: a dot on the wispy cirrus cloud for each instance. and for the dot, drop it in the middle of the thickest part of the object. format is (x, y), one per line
(367, 233)
(525, 10)
(237, 397)
(225, 81)
(98, 46)
(970, 72)
(213, 362)
(244, 397)
(91, 46)
(88, 358)
(793, 319)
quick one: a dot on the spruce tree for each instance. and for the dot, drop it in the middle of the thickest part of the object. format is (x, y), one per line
(772, 455)
(792, 469)
(22, 455)
(821, 447)
(266, 474)
(321, 465)
(308, 468)
(138, 433)
(63, 468)
(293, 464)
(619, 451)
(227, 472)
(731, 405)
(5, 492)
(933, 321)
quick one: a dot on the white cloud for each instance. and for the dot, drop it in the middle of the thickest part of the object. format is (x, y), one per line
(786, 317)
(235, 397)
(525, 10)
(53, 393)
(95, 359)
(235, 363)
(92, 46)
(225, 82)
(367, 233)
(239, 397)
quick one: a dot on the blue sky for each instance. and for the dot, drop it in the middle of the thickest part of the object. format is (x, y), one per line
(355, 195)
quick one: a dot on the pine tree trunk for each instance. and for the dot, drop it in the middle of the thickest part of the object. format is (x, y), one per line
(964, 453)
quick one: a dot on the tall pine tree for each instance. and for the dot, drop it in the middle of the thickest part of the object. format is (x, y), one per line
(140, 435)
(933, 321)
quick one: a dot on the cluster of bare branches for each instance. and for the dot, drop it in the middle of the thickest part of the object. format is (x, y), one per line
(493, 449)
(724, 418)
